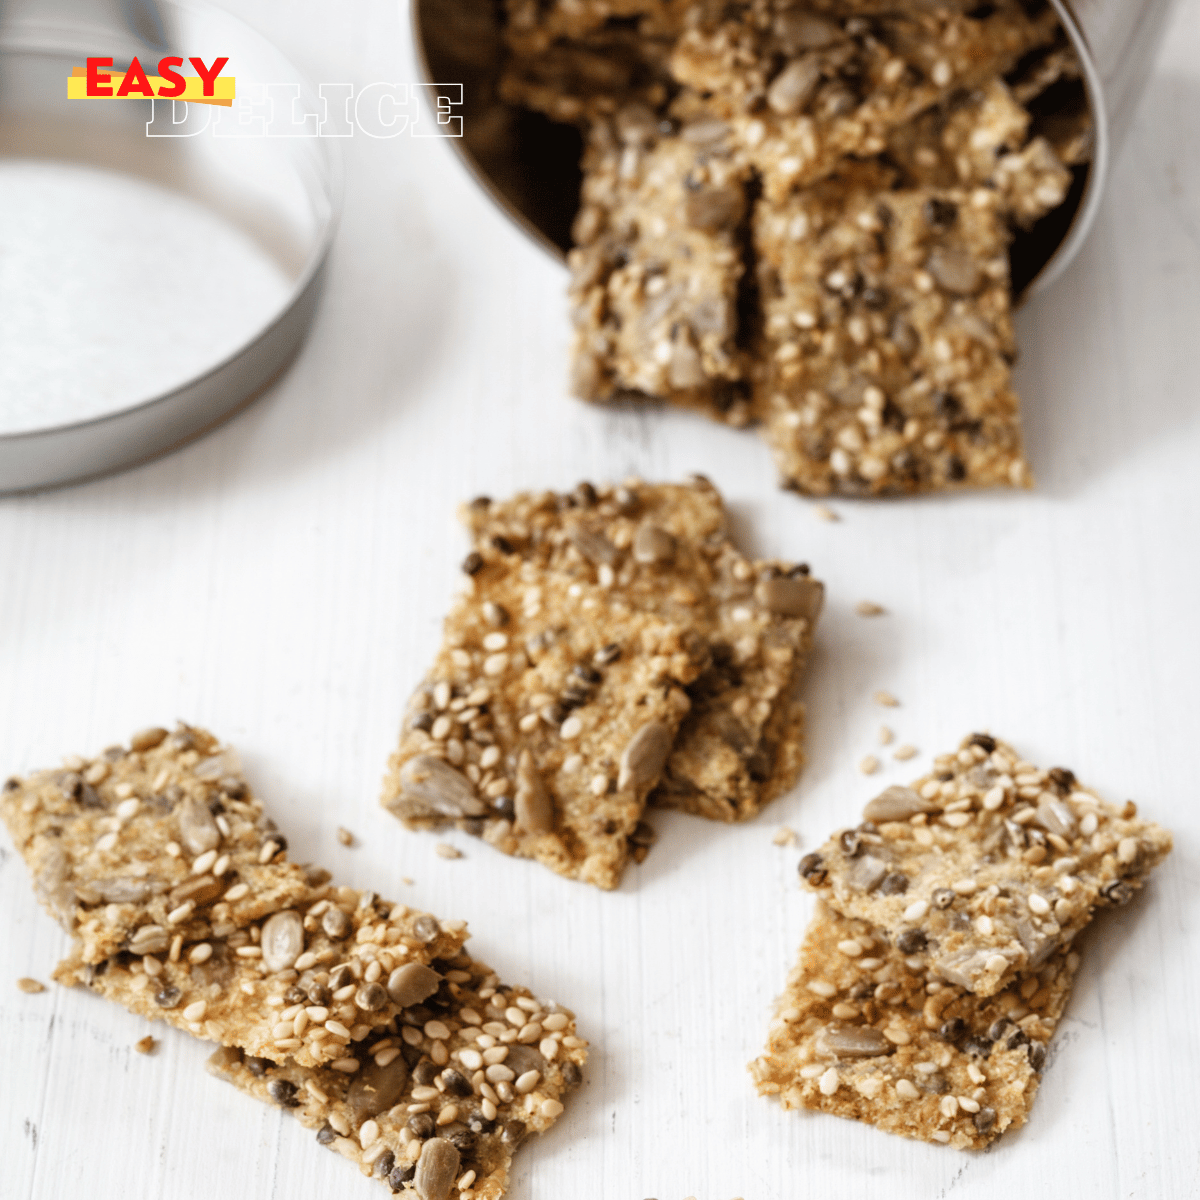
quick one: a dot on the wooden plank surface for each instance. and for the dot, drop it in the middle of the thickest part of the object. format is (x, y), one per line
(282, 582)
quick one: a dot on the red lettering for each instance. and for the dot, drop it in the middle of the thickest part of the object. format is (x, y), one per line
(95, 79)
(166, 71)
(208, 74)
(135, 81)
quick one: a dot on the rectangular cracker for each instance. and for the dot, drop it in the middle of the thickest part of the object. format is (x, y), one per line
(803, 91)
(861, 1032)
(982, 140)
(545, 720)
(664, 549)
(983, 869)
(658, 265)
(236, 988)
(416, 1085)
(114, 844)
(888, 339)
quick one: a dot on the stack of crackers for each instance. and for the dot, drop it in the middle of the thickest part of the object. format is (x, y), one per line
(367, 1020)
(941, 955)
(613, 649)
(798, 215)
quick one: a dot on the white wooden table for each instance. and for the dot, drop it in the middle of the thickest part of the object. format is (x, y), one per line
(282, 582)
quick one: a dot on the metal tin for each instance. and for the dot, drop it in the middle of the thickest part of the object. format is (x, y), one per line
(458, 42)
(280, 193)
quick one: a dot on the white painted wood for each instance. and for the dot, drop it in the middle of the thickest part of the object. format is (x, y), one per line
(282, 582)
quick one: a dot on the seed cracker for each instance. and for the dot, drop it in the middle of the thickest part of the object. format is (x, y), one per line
(479, 1065)
(982, 140)
(657, 266)
(247, 986)
(889, 339)
(545, 720)
(113, 843)
(844, 83)
(985, 867)
(860, 1033)
(664, 549)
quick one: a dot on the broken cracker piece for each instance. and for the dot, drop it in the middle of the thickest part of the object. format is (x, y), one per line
(664, 549)
(858, 1033)
(425, 1110)
(141, 845)
(1004, 864)
(542, 686)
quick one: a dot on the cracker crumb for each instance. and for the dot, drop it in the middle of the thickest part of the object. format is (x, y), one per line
(869, 765)
(824, 513)
(903, 753)
(887, 700)
(784, 836)
(345, 836)
(445, 850)
(868, 608)
(30, 986)
(885, 735)
(146, 1045)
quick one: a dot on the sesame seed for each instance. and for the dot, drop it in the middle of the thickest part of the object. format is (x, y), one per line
(976, 1075)
(956, 820)
(221, 865)
(445, 850)
(435, 1029)
(949, 1106)
(346, 1065)
(528, 723)
(965, 887)
(556, 1021)
(107, 842)
(1089, 824)
(868, 608)
(907, 1089)
(887, 700)
(1038, 904)
(885, 735)
(466, 1181)
(996, 963)
(527, 1082)
(829, 1082)
(984, 925)
(572, 727)
(495, 664)
(916, 910)
(440, 730)
(850, 948)
(268, 852)
(127, 808)
(196, 1011)
(368, 1133)
(471, 1059)
(904, 753)
(897, 1036)
(200, 953)
(30, 987)
(599, 785)
(1127, 850)
(551, 1109)
(185, 910)
(338, 1029)
(819, 987)
(869, 765)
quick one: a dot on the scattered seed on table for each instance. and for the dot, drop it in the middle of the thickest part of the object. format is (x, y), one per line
(146, 1045)
(903, 753)
(30, 986)
(445, 850)
(868, 608)
(886, 699)
(784, 836)
(345, 836)
(869, 765)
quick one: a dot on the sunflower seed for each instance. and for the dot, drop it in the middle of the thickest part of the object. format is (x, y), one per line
(376, 1089)
(644, 756)
(412, 983)
(282, 940)
(437, 1169)
(895, 804)
(798, 597)
(856, 1041)
(197, 829)
(436, 785)
(533, 806)
(336, 923)
(653, 545)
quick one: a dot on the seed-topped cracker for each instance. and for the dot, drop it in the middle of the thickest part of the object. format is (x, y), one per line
(140, 846)
(982, 140)
(445, 1094)
(863, 1031)
(546, 719)
(985, 868)
(664, 549)
(889, 336)
(308, 984)
(803, 90)
(657, 265)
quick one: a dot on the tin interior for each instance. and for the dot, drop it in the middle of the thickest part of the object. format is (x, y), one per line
(530, 165)
(155, 282)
